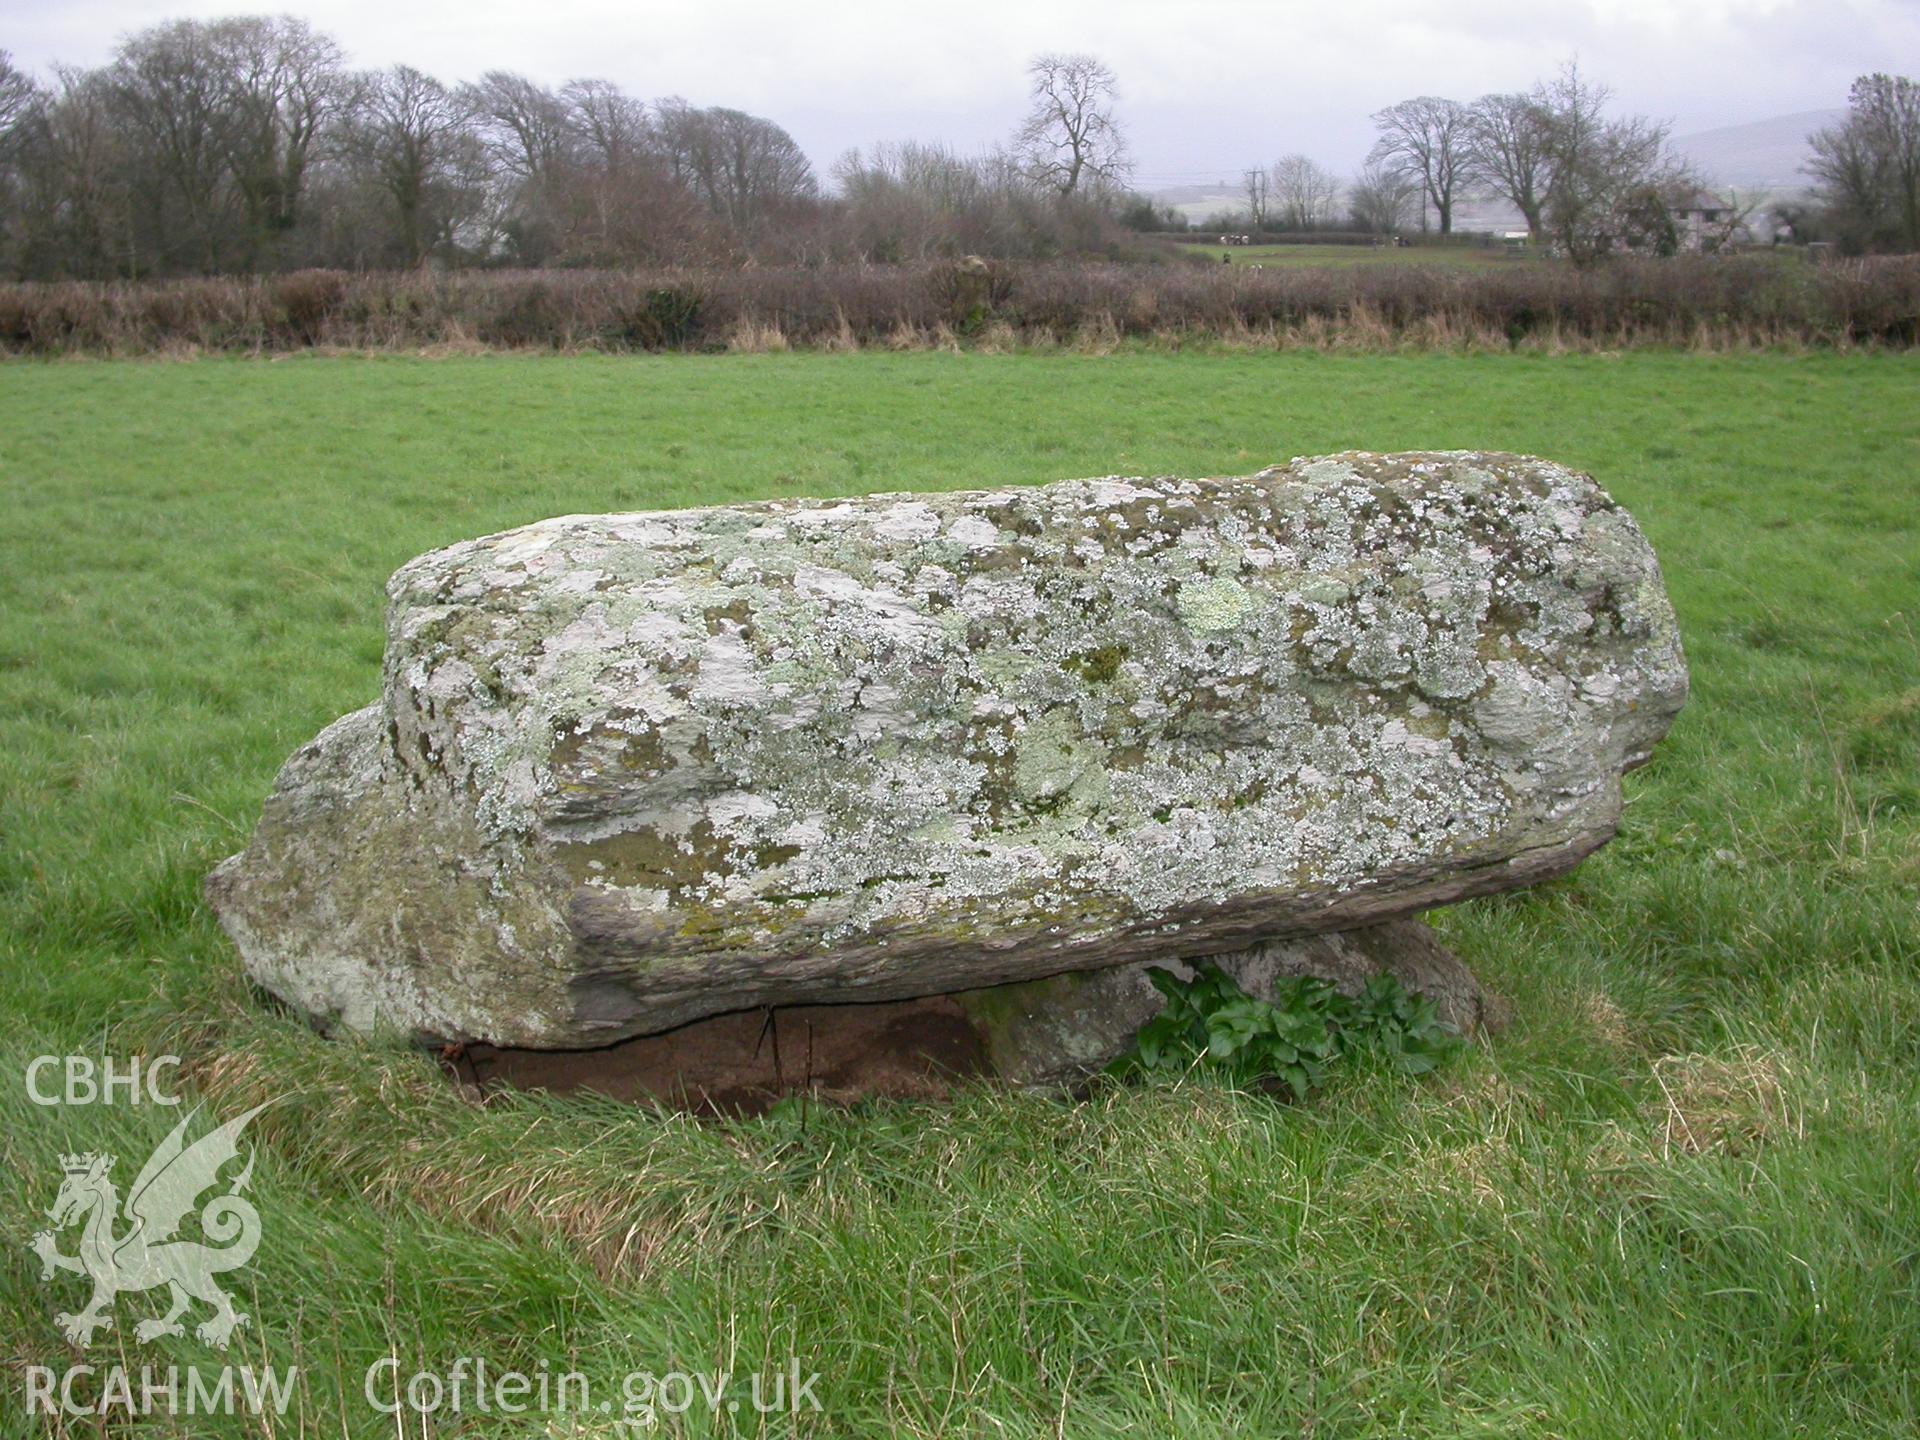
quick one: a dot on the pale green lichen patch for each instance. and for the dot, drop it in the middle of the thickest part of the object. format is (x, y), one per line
(1216, 604)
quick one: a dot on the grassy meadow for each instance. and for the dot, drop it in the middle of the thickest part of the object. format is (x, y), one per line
(1678, 1195)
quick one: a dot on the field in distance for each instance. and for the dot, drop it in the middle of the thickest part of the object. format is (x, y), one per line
(1342, 256)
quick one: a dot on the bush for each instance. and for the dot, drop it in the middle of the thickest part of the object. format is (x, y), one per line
(1290, 1040)
(305, 302)
(1739, 300)
(666, 318)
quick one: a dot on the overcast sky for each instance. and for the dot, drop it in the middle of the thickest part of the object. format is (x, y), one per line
(1208, 87)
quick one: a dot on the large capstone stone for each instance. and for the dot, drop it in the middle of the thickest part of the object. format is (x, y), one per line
(632, 770)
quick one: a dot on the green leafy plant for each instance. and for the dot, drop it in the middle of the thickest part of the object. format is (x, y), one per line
(1404, 1026)
(1290, 1040)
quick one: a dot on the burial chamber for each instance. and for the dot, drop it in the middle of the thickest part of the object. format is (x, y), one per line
(627, 772)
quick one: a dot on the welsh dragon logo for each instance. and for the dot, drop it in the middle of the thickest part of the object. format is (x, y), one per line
(147, 1255)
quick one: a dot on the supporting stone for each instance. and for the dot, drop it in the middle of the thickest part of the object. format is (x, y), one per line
(1037, 1033)
(1063, 1028)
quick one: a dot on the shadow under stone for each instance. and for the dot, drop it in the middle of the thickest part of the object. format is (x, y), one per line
(742, 1063)
(1050, 1033)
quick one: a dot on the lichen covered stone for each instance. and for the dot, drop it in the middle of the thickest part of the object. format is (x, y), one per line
(630, 770)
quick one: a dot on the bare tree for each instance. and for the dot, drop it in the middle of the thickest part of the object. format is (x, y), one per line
(910, 200)
(283, 83)
(22, 106)
(1510, 138)
(18, 94)
(1849, 181)
(529, 141)
(746, 169)
(75, 200)
(20, 103)
(411, 133)
(1382, 197)
(932, 173)
(1304, 193)
(170, 87)
(1866, 170)
(1431, 137)
(1256, 192)
(525, 126)
(610, 124)
(1612, 183)
(1070, 141)
(1888, 106)
(618, 200)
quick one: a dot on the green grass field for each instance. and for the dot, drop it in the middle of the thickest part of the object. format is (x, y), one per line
(1342, 257)
(1678, 1196)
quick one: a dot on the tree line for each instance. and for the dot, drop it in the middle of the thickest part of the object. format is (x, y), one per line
(1585, 182)
(1590, 183)
(250, 144)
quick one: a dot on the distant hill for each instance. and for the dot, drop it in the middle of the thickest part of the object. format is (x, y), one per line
(1764, 154)
(1196, 202)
